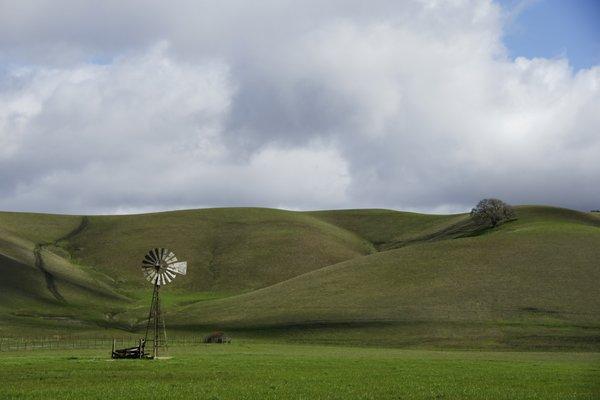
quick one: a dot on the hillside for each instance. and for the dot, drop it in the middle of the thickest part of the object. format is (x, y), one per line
(36, 282)
(384, 228)
(538, 272)
(435, 281)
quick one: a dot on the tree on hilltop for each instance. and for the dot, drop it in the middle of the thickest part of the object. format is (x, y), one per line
(492, 211)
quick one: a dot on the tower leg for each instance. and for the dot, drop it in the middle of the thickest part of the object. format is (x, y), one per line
(150, 315)
(156, 322)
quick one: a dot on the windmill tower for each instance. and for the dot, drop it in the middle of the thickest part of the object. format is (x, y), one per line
(160, 267)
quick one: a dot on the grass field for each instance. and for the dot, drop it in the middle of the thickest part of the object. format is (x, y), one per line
(257, 370)
(349, 304)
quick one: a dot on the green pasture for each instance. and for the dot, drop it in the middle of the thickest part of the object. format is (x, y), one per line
(259, 370)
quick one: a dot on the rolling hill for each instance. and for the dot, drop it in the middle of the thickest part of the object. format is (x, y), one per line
(351, 276)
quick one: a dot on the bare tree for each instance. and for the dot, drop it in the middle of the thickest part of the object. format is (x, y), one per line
(492, 211)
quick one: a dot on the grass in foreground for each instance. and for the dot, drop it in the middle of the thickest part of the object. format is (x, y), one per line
(251, 370)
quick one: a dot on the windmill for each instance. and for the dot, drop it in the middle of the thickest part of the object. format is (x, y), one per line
(160, 266)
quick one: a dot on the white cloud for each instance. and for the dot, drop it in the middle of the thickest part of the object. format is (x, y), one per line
(411, 105)
(144, 132)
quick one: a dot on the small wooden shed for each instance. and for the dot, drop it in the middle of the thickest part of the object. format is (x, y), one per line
(216, 337)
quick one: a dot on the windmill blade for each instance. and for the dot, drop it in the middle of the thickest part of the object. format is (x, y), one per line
(172, 261)
(150, 276)
(178, 267)
(150, 257)
(156, 254)
(165, 254)
(169, 273)
(170, 258)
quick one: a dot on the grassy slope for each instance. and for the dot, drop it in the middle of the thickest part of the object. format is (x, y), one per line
(538, 273)
(232, 249)
(382, 227)
(38, 228)
(25, 298)
(317, 273)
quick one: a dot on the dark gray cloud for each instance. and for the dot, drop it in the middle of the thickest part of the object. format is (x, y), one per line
(129, 106)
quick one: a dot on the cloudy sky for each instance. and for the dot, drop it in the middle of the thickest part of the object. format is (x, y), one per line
(429, 105)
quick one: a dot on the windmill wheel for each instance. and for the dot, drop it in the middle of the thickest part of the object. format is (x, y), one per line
(160, 266)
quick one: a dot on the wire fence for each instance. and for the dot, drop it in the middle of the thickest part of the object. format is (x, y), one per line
(64, 343)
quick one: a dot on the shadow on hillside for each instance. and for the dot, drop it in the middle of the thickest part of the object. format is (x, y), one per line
(462, 229)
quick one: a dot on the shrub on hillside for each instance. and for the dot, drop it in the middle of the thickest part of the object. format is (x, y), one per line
(492, 212)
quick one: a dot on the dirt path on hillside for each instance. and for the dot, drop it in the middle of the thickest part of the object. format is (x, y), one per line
(39, 260)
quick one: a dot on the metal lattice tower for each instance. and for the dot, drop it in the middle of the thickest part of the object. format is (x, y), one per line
(160, 267)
